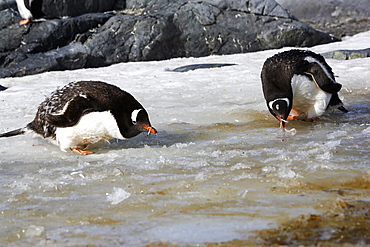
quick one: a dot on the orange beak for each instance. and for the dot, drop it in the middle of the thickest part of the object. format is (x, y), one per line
(282, 122)
(150, 129)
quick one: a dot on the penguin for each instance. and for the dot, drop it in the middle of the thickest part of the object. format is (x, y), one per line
(29, 9)
(86, 112)
(299, 84)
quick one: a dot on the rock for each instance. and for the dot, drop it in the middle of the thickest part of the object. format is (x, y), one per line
(186, 28)
(2, 88)
(325, 10)
(8, 4)
(347, 54)
(52, 8)
(11, 32)
(340, 19)
(26, 40)
(72, 56)
(165, 29)
(61, 8)
(48, 35)
(190, 67)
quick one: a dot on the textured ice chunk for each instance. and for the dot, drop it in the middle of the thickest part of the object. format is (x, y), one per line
(33, 231)
(366, 131)
(118, 195)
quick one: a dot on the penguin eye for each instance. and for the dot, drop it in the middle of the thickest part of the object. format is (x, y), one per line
(277, 107)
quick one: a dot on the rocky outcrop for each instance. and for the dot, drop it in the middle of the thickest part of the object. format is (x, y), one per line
(347, 54)
(340, 17)
(7, 4)
(59, 8)
(154, 30)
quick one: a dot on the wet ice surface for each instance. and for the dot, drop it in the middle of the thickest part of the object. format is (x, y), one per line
(218, 170)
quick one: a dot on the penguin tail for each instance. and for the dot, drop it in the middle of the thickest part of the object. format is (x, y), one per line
(343, 109)
(16, 132)
(335, 102)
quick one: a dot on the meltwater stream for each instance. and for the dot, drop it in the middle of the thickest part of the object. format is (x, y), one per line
(219, 170)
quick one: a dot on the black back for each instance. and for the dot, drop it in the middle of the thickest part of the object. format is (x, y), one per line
(35, 8)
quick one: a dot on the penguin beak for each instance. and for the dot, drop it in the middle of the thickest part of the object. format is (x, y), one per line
(150, 130)
(282, 122)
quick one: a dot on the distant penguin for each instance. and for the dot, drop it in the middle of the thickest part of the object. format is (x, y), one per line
(299, 84)
(29, 9)
(85, 112)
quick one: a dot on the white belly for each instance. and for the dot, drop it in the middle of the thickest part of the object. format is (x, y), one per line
(25, 13)
(308, 98)
(91, 128)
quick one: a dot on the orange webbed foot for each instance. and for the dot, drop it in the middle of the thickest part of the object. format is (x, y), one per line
(25, 21)
(81, 151)
(291, 117)
(294, 114)
(310, 119)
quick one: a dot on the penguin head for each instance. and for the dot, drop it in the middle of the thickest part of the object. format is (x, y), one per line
(140, 122)
(280, 108)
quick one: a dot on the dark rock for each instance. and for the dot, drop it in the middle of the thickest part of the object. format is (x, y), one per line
(184, 28)
(8, 17)
(8, 4)
(134, 38)
(47, 35)
(43, 37)
(2, 88)
(11, 32)
(340, 19)
(166, 29)
(187, 68)
(325, 10)
(72, 56)
(59, 8)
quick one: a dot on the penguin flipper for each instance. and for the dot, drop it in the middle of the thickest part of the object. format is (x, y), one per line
(71, 113)
(322, 78)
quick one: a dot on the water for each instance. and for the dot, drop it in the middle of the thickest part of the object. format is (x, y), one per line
(219, 169)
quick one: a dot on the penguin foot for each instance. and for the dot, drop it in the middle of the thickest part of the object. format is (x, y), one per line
(81, 151)
(310, 119)
(292, 117)
(25, 21)
(294, 113)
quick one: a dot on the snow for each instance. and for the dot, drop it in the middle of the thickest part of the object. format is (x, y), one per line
(209, 175)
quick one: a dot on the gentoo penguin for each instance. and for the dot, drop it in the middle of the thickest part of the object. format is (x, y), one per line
(85, 112)
(29, 9)
(299, 83)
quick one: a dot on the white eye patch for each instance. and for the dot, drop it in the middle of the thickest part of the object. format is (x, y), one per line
(271, 103)
(134, 115)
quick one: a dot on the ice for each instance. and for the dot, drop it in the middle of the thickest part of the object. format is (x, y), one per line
(366, 131)
(118, 195)
(212, 174)
(339, 133)
(33, 231)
